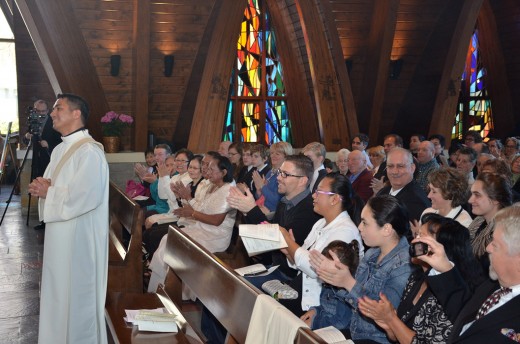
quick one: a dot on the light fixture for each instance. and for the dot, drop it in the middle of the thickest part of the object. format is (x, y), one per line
(168, 65)
(115, 63)
(395, 68)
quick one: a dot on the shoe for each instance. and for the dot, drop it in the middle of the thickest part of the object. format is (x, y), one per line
(40, 226)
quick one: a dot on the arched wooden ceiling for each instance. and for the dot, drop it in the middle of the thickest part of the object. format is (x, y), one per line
(75, 38)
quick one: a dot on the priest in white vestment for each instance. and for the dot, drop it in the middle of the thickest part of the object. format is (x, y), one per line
(74, 204)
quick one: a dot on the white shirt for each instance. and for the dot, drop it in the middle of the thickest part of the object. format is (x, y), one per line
(463, 218)
(341, 228)
(315, 176)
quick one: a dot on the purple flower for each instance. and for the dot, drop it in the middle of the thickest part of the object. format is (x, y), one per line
(126, 119)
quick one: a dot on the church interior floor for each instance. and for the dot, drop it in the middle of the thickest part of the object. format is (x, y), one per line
(21, 255)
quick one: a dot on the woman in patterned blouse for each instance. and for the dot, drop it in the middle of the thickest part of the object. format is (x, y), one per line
(420, 318)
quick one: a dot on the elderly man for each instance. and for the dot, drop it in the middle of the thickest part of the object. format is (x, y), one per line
(316, 152)
(400, 169)
(223, 148)
(73, 203)
(466, 161)
(359, 176)
(490, 314)
(426, 163)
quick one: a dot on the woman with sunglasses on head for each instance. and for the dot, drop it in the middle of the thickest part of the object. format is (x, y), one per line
(420, 317)
(384, 268)
(340, 208)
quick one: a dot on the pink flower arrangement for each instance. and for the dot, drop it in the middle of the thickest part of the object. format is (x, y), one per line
(114, 123)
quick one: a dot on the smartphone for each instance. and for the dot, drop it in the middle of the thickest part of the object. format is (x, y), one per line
(418, 249)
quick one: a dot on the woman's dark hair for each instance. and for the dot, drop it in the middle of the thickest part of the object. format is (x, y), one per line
(348, 253)
(350, 201)
(148, 151)
(456, 241)
(198, 158)
(497, 188)
(388, 209)
(187, 152)
(223, 163)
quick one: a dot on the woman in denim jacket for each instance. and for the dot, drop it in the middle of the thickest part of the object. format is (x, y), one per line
(385, 268)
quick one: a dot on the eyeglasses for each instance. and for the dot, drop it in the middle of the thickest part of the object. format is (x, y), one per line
(179, 160)
(341, 161)
(330, 193)
(284, 174)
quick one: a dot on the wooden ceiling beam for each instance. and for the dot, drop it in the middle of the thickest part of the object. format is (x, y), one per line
(64, 54)
(376, 72)
(447, 94)
(141, 66)
(6, 6)
(496, 75)
(210, 110)
(304, 126)
(328, 94)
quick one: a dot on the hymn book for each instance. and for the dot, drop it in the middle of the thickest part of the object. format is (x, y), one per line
(261, 238)
(332, 335)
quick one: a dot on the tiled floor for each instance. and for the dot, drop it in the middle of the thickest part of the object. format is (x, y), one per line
(21, 253)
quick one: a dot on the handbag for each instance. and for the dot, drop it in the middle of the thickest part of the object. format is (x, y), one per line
(134, 188)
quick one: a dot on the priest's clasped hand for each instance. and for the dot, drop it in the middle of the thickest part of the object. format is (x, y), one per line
(39, 187)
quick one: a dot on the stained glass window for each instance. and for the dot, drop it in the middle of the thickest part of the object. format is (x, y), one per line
(257, 107)
(474, 107)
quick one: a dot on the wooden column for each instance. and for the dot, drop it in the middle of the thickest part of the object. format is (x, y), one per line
(141, 68)
(496, 79)
(327, 91)
(447, 94)
(210, 111)
(376, 73)
(64, 54)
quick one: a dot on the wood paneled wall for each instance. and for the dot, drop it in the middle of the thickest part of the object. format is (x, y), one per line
(416, 31)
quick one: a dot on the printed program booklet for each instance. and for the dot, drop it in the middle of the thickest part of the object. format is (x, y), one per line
(261, 238)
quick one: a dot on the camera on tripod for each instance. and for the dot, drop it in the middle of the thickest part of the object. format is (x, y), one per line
(34, 121)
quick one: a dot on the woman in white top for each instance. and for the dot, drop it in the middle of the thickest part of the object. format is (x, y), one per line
(334, 200)
(448, 192)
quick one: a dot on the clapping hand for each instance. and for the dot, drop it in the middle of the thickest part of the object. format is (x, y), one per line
(380, 311)
(180, 190)
(238, 200)
(332, 271)
(259, 180)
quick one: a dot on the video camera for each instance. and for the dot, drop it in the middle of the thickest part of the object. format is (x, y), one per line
(34, 120)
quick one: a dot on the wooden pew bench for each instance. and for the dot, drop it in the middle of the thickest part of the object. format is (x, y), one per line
(125, 267)
(227, 295)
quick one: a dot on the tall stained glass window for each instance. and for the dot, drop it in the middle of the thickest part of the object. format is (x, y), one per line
(257, 107)
(474, 107)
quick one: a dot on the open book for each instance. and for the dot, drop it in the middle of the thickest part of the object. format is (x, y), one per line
(332, 335)
(261, 238)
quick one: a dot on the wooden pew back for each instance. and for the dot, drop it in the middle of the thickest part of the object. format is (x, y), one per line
(125, 267)
(230, 298)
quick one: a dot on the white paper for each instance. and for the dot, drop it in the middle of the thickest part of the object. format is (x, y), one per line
(332, 335)
(140, 198)
(157, 326)
(265, 231)
(257, 246)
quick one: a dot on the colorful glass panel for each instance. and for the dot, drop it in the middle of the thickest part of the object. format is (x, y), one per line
(474, 111)
(257, 83)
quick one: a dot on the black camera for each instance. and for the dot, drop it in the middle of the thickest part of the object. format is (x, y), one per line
(418, 249)
(34, 121)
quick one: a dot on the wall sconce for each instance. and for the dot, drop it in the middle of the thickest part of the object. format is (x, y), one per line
(115, 63)
(395, 68)
(349, 62)
(168, 65)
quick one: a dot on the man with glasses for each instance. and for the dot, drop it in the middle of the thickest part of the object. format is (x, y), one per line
(43, 143)
(400, 168)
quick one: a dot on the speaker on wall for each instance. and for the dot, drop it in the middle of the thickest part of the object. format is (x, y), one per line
(115, 63)
(168, 65)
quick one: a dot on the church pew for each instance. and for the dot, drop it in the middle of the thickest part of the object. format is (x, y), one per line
(125, 267)
(227, 295)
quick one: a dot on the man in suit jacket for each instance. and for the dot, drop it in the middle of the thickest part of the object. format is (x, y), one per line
(316, 152)
(500, 323)
(400, 168)
(360, 177)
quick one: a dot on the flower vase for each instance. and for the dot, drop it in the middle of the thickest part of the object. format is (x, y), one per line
(111, 144)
